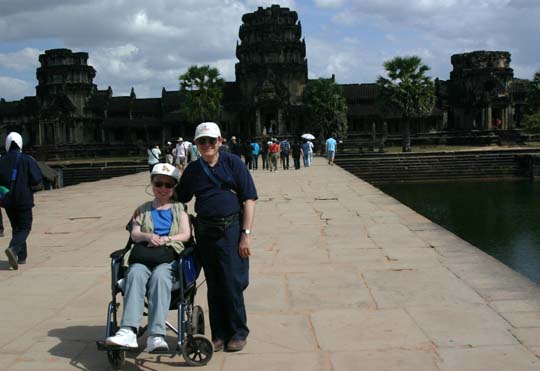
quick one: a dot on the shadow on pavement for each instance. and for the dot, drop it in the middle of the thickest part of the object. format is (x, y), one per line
(78, 344)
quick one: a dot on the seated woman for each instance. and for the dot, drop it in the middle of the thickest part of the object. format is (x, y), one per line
(158, 229)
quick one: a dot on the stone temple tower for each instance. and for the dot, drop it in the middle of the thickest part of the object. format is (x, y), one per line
(272, 70)
(65, 84)
(479, 90)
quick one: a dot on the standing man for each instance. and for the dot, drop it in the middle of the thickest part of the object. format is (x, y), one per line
(255, 152)
(264, 153)
(225, 197)
(331, 147)
(285, 148)
(168, 153)
(154, 153)
(180, 154)
(18, 173)
(273, 153)
(236, 147)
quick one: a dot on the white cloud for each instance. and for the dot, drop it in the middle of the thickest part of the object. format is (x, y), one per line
(329, 3)
(148, 44)
(24, 59)
(15, 89)
(254, 4)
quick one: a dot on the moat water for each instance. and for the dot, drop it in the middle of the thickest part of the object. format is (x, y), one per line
(501, 218)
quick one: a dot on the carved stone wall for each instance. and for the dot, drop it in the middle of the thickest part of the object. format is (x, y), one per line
(272, 70)
(479, 90)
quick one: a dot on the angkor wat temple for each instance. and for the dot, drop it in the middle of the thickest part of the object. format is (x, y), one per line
(271, 75)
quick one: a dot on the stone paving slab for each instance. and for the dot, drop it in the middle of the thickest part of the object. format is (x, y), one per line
(343, 277)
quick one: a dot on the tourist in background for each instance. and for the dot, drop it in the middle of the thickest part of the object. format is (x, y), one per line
(19, 173)
(169, 153)
(305, 152)
(331, 147)
(188, 146)
(180, 154)
(296, 151)
(236, 147)
(193, 152)
(285, 147)
(225, 197)
(255, 152)
(247, 152)
(273, 153)
(153, 153)
(224, 146)
(264, 153)
(310, 152)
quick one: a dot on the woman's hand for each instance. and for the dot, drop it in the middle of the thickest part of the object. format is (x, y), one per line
(154, 240)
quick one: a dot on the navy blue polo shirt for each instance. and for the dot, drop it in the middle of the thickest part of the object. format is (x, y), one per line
(210, 200)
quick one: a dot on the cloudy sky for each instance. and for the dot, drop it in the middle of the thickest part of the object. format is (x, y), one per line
(148, 44)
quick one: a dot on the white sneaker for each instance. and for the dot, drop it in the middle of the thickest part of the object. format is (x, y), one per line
(124, 337)
(155, 342)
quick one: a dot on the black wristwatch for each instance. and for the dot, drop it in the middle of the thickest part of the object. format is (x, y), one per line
(246, 231)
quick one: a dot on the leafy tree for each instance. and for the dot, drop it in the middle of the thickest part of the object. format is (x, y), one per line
(407, 91)
(327, 108)
(532, 123)
(534, 94)
(203, 88)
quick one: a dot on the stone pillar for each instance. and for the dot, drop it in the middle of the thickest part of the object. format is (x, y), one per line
(281, 126)
(39, 137)
(258, 126)
(507, 121)
(489, 118)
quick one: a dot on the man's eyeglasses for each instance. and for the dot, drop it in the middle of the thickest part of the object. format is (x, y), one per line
(203, 141)
(164, 184)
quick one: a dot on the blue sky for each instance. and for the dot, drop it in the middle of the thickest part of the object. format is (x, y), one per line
(147, 44)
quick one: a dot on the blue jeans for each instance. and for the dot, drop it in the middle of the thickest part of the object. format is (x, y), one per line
(155, 284)
(227, 276)
(21, 224)
(306, 159)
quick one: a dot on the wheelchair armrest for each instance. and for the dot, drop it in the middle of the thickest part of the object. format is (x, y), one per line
(186, 252)
(117, 254)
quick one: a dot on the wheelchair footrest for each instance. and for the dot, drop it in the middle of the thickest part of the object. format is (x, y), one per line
(164, 352)
(101, 345)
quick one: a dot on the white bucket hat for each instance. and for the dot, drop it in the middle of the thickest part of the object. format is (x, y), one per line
(166, 169)
(14, 137)
(207, 129)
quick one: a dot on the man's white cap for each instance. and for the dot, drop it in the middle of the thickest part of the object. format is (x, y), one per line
(166, 169)
(13, 137)
(207, 129)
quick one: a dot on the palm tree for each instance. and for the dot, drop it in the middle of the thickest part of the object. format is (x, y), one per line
(203, 90)
(327, 108)
(407, 91)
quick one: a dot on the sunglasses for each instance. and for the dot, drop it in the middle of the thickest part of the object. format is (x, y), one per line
(164, 184)
(203, 141)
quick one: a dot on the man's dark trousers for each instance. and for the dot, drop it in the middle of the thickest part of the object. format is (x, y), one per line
(21, 224)
(227, 276)
(285, 160)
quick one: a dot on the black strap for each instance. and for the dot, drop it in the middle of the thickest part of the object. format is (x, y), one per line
(153, 154)
(211, 176)
(214, 179)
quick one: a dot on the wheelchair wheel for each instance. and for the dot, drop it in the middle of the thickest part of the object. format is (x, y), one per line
(116, 358)
(197, 350)
(197, 322)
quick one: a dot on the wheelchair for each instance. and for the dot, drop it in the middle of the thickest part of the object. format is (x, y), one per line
(196, 349)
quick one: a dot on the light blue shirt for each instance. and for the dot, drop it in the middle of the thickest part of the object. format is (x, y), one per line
(256, 148)
(331, 144)
(162, 221)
